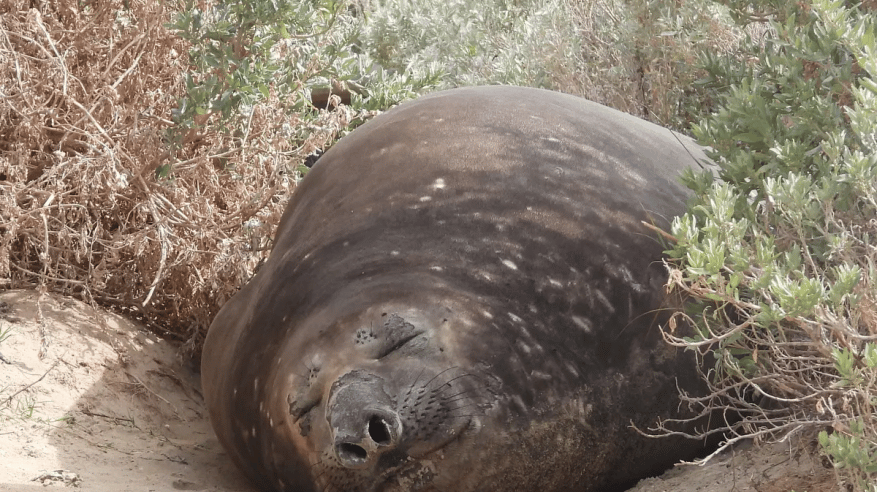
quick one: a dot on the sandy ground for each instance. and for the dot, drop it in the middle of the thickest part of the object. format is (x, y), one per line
(115, 409)
(89, 400)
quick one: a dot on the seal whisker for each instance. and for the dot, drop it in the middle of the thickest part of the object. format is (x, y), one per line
(468, 415)
(448, 383)
(461, 398)
(462, 391)
(439, 374)
(473, 404)
(413, 384)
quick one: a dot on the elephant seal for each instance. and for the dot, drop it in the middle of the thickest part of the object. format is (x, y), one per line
(462, 297)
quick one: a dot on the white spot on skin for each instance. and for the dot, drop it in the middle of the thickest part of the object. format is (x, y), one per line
(604, 301)
(487, 314)
(515, 318)
(583, 323)
(394, 253)
(439, 184)
(628, 278)
(425, 198)
(510, 264)
(270, 422)
(234, 392)
(256, 385)
(516, 399)
(436, 268)
(554, 282)
(572, 369)
(253, 431)
(540, 375)
(524, 348)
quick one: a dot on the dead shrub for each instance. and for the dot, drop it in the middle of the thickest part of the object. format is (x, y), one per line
(87, 93)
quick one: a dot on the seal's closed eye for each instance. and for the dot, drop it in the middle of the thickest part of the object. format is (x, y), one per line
(393, 334)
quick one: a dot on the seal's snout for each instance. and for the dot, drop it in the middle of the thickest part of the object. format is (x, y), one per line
(379, 434)
(361, 417)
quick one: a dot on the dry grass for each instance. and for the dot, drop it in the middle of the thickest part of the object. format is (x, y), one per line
(86, 94)
(640, 57)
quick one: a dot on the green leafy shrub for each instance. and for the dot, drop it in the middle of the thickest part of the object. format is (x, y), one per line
(249, 52)
(530, 42)
(780, 254)
(637, 56)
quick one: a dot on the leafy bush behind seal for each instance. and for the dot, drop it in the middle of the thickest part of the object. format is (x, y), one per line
(636, 56)
(781, 253)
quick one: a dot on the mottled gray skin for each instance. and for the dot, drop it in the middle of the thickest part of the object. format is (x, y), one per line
(461, 297)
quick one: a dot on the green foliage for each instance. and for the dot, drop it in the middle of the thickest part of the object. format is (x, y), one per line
(665, 40)
(780, 109)
(25, 406)
(518, 42)
(783, 244)
(239, 51)
(852, 452)
(5, 333)
(636, 56)
(788, 166)
(856, 369)
(253, 51)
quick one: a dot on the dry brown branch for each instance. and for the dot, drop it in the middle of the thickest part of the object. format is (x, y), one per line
(86, 102)
(9, 399)
(108, 417)
(153, 393)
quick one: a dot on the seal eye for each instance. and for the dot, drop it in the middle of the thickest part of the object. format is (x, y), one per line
(389, 349)
(394, 334)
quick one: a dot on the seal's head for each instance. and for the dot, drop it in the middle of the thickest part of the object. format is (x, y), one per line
(374, 399)
(381, 402)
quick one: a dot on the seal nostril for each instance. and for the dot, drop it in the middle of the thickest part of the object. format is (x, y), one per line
(379, 431)
(351, 454)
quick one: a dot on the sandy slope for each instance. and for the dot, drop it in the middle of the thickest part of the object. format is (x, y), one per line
(116, 411)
